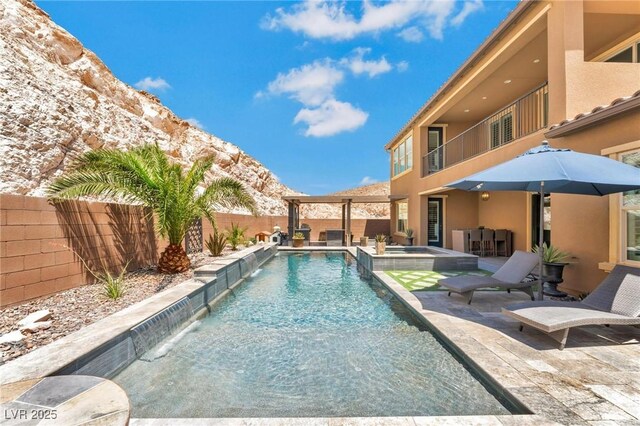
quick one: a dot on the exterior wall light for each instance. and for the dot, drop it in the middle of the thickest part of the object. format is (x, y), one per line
(485, 196)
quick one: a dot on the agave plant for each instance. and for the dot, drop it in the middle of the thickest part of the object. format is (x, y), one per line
(147, 176)
(216, 242)
(551, 254)
(235, 235)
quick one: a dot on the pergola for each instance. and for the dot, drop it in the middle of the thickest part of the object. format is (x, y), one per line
(294, 202)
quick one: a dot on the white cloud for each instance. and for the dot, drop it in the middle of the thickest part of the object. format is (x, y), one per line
(368, 180)
(468, 8)
(195, 122)
(314, 86)
(402, 66)
(358, 65)
(411, 34)
(331, 19)
(331, 118)
(311, 84)
(152, 84)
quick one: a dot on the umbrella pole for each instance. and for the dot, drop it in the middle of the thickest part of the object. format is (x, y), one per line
(540, 244)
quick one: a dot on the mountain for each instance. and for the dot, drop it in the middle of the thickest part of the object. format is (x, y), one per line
(58, 99)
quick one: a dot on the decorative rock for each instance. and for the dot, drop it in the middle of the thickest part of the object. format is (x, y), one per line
(41, 315)
(32, 328)
(14, 336)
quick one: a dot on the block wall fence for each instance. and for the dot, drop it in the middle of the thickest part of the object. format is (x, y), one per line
(38, 240)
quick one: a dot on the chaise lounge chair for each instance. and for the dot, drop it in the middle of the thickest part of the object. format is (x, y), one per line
(508, 277)
(616, 301)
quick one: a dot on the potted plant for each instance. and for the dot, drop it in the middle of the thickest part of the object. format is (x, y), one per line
(298, 239)
(409, 233)
(553, 263)
(381, 244)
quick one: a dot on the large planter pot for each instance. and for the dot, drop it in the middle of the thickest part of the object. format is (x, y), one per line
(380, 247)
(410, 241)
(364, 241)
(298, 242)
(552, 273)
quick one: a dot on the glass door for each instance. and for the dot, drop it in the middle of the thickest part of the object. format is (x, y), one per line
(535, 219)
(434, 222)
(434, 148)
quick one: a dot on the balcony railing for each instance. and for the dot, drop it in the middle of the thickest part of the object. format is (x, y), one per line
(524, 116)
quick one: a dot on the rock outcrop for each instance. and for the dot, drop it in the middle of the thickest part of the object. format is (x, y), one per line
(58, 99)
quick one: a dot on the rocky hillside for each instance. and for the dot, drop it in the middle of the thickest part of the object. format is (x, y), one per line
(58, 99)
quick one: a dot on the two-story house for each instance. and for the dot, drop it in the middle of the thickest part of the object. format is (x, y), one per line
(572, 63)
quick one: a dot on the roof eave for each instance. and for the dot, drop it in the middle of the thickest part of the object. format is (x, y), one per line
(479, 53)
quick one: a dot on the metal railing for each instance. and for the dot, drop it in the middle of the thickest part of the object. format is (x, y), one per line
(526, 115)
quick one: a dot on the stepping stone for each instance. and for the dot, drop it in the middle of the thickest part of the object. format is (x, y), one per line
(12, 337)
(41, 315)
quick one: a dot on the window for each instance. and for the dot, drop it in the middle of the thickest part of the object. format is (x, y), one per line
(501, 130)
(628, 54)
(403, 156)
(435, 155)
(402, 216)
(630, 211)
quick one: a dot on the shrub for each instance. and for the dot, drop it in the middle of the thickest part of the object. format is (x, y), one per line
(113, 286)
(235, 235)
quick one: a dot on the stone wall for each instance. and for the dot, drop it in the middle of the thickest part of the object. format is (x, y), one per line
(38, 241)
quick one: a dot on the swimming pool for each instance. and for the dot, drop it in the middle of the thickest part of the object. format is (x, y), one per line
(306, 337)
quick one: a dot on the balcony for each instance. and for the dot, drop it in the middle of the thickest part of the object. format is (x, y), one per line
(524, 116)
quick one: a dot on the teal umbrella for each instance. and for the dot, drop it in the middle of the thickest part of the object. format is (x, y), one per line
(545, 170)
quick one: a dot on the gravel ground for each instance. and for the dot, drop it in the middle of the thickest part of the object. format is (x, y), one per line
(75, 308)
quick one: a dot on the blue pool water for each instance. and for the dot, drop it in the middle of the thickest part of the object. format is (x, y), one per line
(306, 337)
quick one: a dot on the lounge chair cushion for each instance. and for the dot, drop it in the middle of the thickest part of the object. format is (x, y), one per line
(551, 316)
(464, 283)
(627, 300)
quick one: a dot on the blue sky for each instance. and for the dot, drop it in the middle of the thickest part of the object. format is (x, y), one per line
(313, 90)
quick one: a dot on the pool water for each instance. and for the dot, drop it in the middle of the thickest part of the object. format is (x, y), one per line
(306, 337)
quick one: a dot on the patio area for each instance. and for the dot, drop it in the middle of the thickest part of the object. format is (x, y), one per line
(595, 380)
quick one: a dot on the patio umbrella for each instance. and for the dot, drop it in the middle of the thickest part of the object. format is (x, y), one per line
(544, 169)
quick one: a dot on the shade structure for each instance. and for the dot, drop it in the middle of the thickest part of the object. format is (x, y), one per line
(548, 170)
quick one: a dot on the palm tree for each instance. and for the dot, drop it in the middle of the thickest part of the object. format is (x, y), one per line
(145, 175)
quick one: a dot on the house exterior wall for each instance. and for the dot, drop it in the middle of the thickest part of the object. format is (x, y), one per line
(580, 224)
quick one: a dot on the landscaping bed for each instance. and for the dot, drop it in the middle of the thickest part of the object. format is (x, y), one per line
(75, 308)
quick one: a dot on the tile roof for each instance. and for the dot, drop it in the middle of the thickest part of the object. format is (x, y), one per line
(617, 106)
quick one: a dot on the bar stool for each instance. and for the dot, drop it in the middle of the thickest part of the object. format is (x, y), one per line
(488, 246)
(475, 242)
(500, 241)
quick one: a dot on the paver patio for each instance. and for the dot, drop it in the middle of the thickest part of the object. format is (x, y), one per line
(594, 380)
